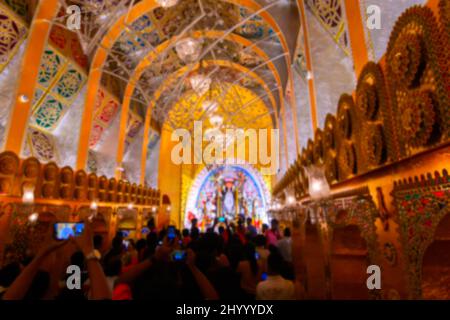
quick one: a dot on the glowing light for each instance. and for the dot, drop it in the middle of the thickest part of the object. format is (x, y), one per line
(130, 206)
(200, 84)
(32, 218)
(23, 98)
(154, 209)
(93, 205)
(188, 49)
(167, 3)
(28, 195)
(291, 200)
(318, 185)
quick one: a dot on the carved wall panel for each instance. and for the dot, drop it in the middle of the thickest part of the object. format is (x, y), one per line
(417, 77)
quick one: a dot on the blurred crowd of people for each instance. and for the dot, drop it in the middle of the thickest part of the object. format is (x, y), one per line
(228, 261)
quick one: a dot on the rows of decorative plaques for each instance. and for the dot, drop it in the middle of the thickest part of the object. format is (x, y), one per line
(396, 111)
(51, 182)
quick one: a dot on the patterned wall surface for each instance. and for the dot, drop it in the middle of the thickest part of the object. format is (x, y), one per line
(304, 120)
(152, 164)
(421, 204)
(332, 69)
(331, 15)
(377, 40)
(105, 110)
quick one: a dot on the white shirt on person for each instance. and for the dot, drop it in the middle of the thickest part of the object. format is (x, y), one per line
(275, 288)
(284, 245)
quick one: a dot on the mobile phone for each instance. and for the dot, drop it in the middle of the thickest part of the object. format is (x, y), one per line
(178, 255)
(171, 233)
(65, 230)
(256, 255)
(221, 219)
(264, 276)
(126, 243)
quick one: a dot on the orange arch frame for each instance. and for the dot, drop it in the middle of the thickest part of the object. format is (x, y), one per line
(152, 55)
(108, 41)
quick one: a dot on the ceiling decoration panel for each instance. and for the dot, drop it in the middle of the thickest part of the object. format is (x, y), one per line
(105, 110)
(331, 15)
(59, 82)
(13, 32)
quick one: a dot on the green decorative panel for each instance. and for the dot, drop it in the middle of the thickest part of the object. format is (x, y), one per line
(48, 113)
(69, 84)
(51, 64)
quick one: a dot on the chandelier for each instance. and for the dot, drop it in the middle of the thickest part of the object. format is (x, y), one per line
(167, 3)
(200, 84)
(188, 49)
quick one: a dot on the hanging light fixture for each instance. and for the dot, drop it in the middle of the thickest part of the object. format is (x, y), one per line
(319, 188)
(188, 49)
(200, 84)
(167, 3)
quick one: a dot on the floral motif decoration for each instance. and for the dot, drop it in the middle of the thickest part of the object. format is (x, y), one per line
(417, 118)
(20, 7)
(105, 109)
(51, 64)
(420, 205)
(49, 113)
(59, 83)
(417, 73)
(135, 123)
(330, 14)
(376, 143)
(42, 145)
(346, 129)
(12, 34)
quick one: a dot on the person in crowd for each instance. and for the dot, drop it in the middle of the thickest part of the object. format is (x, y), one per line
(186, 237)
(194, 227)
(33, 282)
(250, 270)
(251, 229)
(284, 245)
(273, 234)
(7, 276)
(275, 287)
(230, 263)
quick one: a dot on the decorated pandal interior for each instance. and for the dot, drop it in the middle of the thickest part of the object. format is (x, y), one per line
(89, 120)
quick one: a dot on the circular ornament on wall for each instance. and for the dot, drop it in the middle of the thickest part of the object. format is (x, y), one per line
(404, 59)
(416, 118)
(374, 145)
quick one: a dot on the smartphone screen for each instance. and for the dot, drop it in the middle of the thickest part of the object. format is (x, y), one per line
(126, 243)
(264, 276)
(221, 219)
(171, 233)
(64, 230)
(179, 255)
